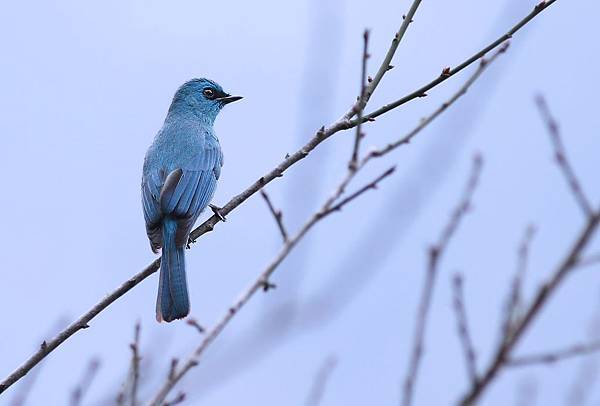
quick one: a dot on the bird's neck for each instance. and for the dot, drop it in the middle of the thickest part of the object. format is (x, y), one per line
(182, 111)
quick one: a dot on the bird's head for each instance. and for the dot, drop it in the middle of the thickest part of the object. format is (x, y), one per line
(202, 97)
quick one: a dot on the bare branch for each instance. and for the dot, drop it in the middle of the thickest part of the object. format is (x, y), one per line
(435, 253)
(561, 157)
(554, 356)
(277, 214)
(320, 382)
(361, 102)
(463, 327)
(321, 135)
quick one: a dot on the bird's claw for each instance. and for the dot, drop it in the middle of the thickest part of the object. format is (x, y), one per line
(217, 211)
(190, 241)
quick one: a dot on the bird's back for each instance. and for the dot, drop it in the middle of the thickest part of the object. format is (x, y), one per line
(181, 144)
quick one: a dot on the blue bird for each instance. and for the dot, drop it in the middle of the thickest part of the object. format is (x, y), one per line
(181, 169)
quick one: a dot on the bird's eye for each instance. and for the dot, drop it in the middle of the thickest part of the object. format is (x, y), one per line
(209, 93)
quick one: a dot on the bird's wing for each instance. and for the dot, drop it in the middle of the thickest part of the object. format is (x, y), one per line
(151, 186)
(188, 190)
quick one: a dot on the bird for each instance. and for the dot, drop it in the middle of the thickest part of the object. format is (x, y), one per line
(179, 178)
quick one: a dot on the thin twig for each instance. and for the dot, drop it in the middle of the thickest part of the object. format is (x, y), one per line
(588, 261)
(585, 378)
(321, 135)
(360, 104)
(129, 391)
(194, 323)
(173, 368)
(86, 381)
(317, 391)
(135, 365)
(277, 214)
(463, 327)
(435, 253)
(554, 356)
(176, 400)
(371, 185)
(561, 156)
(515, 299)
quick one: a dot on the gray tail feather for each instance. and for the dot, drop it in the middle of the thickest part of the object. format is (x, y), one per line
(173, 301)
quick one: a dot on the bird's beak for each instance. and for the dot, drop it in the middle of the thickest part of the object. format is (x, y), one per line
(229, 99)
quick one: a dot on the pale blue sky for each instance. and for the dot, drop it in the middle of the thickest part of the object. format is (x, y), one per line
(86, 85)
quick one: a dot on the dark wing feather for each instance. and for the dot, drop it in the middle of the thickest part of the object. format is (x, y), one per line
(170, 191)
(152, 214)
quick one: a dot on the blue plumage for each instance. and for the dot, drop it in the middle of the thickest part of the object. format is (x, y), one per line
(180, 175)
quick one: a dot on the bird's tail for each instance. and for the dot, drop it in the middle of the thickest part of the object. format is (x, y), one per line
(172, 301)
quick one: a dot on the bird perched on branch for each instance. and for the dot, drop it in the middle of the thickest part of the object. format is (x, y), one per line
(180, 175)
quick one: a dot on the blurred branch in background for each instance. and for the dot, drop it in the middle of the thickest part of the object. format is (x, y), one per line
(515, 299)
(517, 327)
(527, 392)
(321, 135)
(585, 378)
(554, 356)
(83, 386)
(129, 392)
(464, 334)
(592, 259)
(435, 253)
(317, 391)
(322, 63)
(561, 157)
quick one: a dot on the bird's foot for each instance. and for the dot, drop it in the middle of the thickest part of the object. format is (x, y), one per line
(217, 211)
(190, 241)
